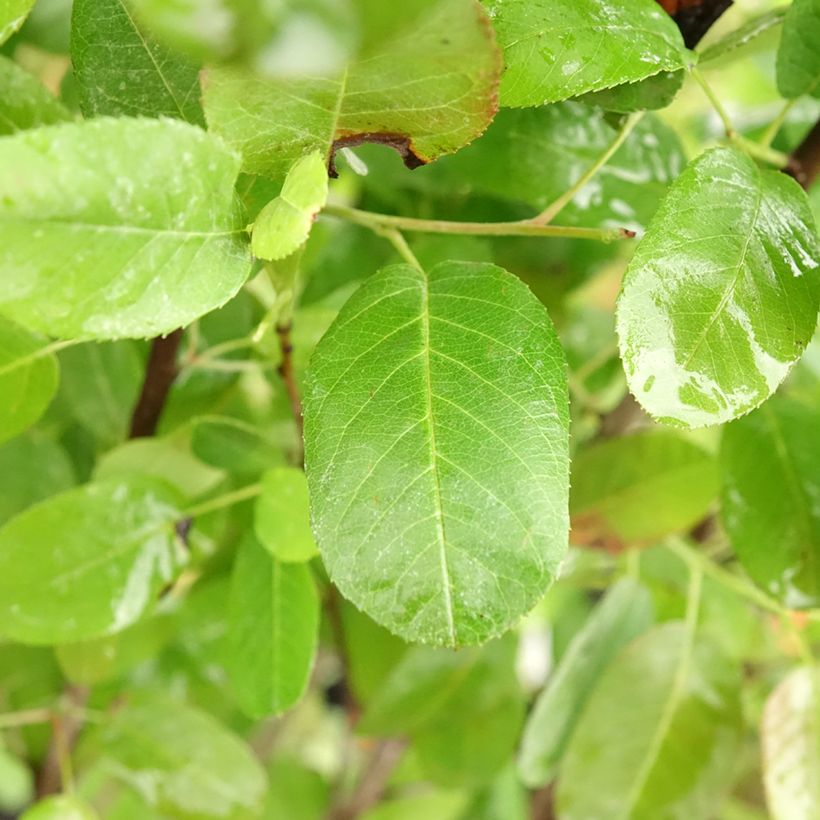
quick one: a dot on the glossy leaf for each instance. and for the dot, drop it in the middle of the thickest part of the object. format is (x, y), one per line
(13, 14)
(183, 762)
(557, 49)
(273, 623)
(798, 58)
(122, 71)
(659, 735)
(420, 92)
(624, 613)
(534, 156)
(28, 378)
(25, 102)
(742, 36)
(87, 562)
(436, 449)
(643, 486)
(790, 735)
(721, 296)
(283, 225)
(771, 480)
(649, 94)
(148, 239)
(282, 516)
(61, 807)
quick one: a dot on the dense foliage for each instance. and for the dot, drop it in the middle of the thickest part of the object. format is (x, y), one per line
(309, 312)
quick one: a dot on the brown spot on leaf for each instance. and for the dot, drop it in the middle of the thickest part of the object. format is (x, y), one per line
(694, 17)
(400, 143)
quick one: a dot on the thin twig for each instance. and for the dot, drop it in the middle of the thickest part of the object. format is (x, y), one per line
(160, 373)
(66, 725)
(288, 374)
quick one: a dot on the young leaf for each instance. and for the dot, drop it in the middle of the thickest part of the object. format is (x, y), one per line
(659, 735)
(557, 49)
(61, 807)
(771, 480)
(133, 221)
(182, 761)
(426, 91)
(436, 433)
(534, 156)
(282, 518)
(13, 14)
(615, 484)
(625, 612)
(25, 102)
(283, 225)
(122, 71)
(272, 631)
(791, 746)
(721, 296)
(28, 378)
(87, 562)
(798, 58)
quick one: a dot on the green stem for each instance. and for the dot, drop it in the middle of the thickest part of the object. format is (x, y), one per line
(221, 501)
(551, 211)
(380, 222)
(26, 717)
(716, 103)
(400, 244)
(776, 124)
(761, 152)
(39, 354)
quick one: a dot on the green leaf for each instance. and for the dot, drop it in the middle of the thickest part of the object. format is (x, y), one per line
(25, 102)
(133, 221)
(183, 762)
(771, 480)
(742, 36)
(28, 378)
(790, 736)
(427, 90)
(659, 735)
(644, 486)
(651, 93)
(233, 445)
(534, 156)
(462, 710)
(32, 467)
(122, 71)
(282, 516)
(556, 49)
(273, 624)
(436, 435)
(624, 613)
(442, 804)
(61, 807)
(721, 296)
(87, 562)
(13, 14)
(798, 58)
(283, 225)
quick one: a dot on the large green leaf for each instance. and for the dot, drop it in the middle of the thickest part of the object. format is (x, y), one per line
(87, 562)
(462, 710)
(534, 156)
(625, 612)
(120, 70)
(556, 49)
(790, 734)
(24, 101)
(436, 450)
(28, 378)
(659, 735)
(182, 761)
(771, 482)
(282, 516)
(721, 296)
(798, 58)
(273, 623)
(12, 15)
(427, 90)
(113, 228)
(643, 486)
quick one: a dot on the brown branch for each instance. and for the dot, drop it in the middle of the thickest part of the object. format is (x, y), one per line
(542, 803)
(288, 374)
(804, 162)
(160, 373)
(66, 725)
